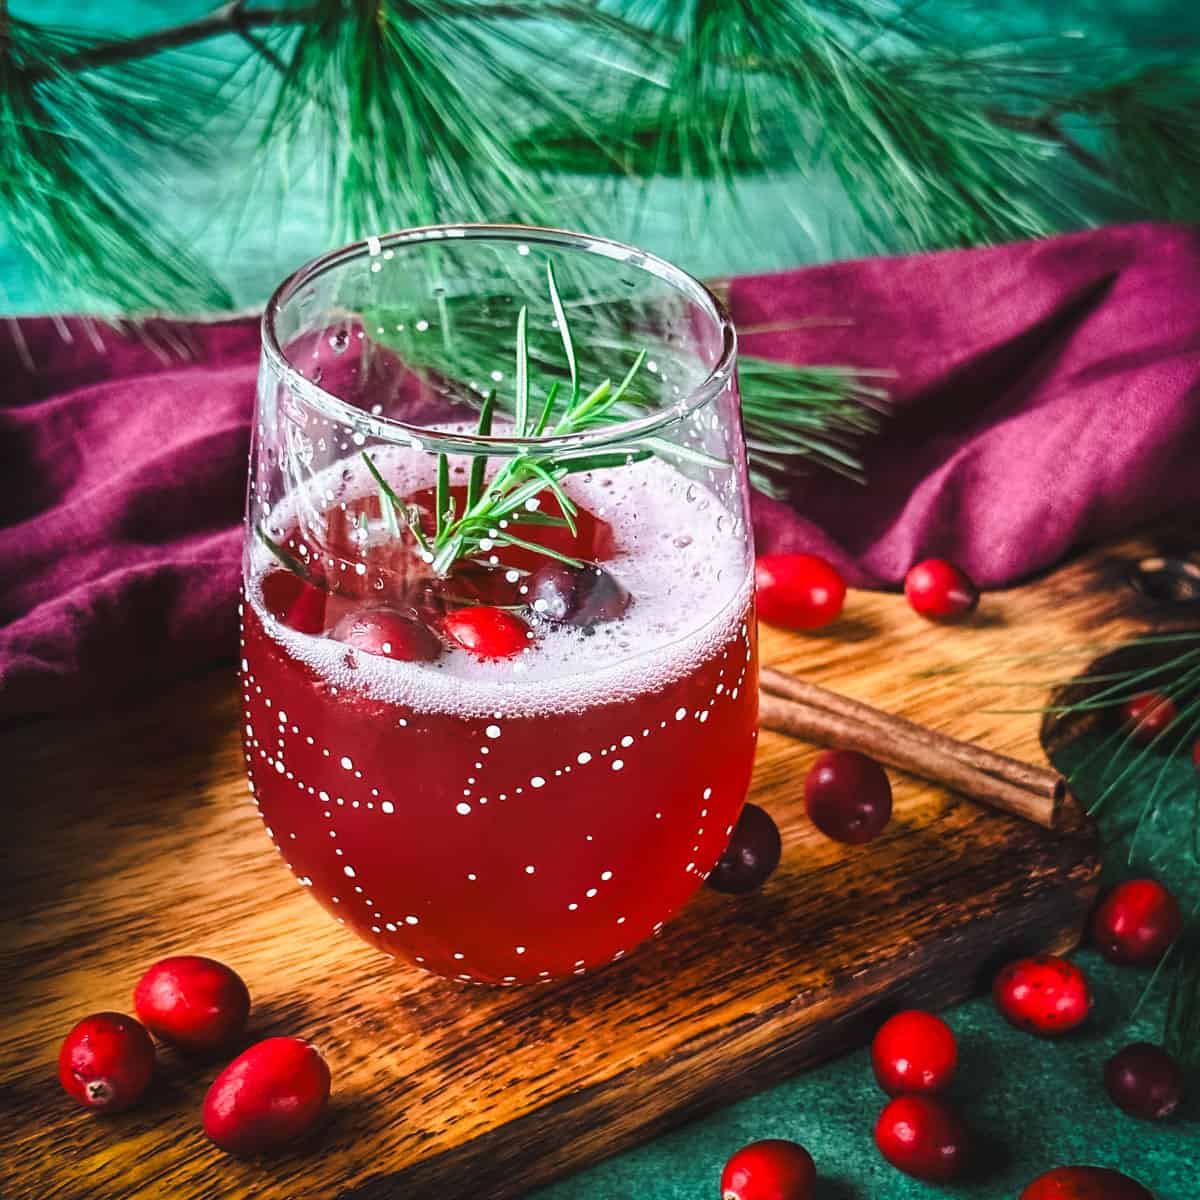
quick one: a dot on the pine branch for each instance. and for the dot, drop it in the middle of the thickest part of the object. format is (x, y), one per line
(1151, 121)
(1134, 789)
(404, 130)
(233, 17)
(933, 145)
(794, 417)
(60, 138)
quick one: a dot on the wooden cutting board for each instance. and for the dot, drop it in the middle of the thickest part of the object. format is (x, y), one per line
(129, 836)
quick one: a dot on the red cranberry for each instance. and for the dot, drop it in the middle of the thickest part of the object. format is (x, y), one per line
(1044, 994)
(267, 1096)
(1148, 715)
(1084, 1183)
(576, 595)
(487, 632)
(106, 1061)
(914, 1051)
(1144, 1081)
(298, 603)
(752, 854)
(196, 1003)
(1136, 922)
(389, 634)
(798, 591)
(1196, 754)
(922, 1137)
(940, 591)
(772, 1169)
(847, 796)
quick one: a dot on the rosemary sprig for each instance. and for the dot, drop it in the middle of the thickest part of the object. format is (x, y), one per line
(513, 495)
(289, 561)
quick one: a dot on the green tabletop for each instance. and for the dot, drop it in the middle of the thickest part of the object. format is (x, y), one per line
(1032, 1103)
(1037, 1104)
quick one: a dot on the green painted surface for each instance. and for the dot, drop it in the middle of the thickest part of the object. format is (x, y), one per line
(1038, 1104)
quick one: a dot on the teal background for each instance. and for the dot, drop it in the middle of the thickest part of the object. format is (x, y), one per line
(254, 220)
(1037, 1104)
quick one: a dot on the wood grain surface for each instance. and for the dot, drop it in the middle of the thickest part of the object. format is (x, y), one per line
(129, 837)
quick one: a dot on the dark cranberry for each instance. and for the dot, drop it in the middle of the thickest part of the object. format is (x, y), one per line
(847, 796)
(576, 595)
(1144, 1081)
(196, 1003)
(923, 1138)
(487, 632)
(913, 1052)
(106, 1061)
(1044, 994)
(797, 591)
(752, 854)
(940, 591)
(1148, 715)
(1084, 1183)
(1136, 922)
(1196, 754)
(389, 634)
(772, 1169)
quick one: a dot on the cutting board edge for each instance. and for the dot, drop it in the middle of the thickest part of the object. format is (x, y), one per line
(500, 1165)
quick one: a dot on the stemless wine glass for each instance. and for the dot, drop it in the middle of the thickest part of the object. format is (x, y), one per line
(499, 660)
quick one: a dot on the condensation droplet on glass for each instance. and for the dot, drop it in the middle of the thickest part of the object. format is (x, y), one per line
(439, 292)
(318, 373)
(522, 249)
(682, 541)
(690, 494)
(339, 340)
(422, 325)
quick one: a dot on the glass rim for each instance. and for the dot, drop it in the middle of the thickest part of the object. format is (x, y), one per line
(389, 428)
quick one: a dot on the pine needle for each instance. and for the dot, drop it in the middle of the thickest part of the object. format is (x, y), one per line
(63, 138)
(398, 100)
(1146, 798)
(1151, 120)
(419, 111)
(793, 416)
(761, 88)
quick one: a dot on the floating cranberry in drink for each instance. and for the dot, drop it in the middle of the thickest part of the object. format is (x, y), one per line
(500, 691)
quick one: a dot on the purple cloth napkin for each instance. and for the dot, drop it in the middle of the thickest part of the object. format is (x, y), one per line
(1046, 394)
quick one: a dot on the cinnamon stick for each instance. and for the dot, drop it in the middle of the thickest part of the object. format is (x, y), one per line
(904, 744)
(1043, 781)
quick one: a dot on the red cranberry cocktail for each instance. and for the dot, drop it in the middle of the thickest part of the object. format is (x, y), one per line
(498, 657)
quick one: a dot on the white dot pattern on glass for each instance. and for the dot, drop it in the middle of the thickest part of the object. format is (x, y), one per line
(554, 782)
